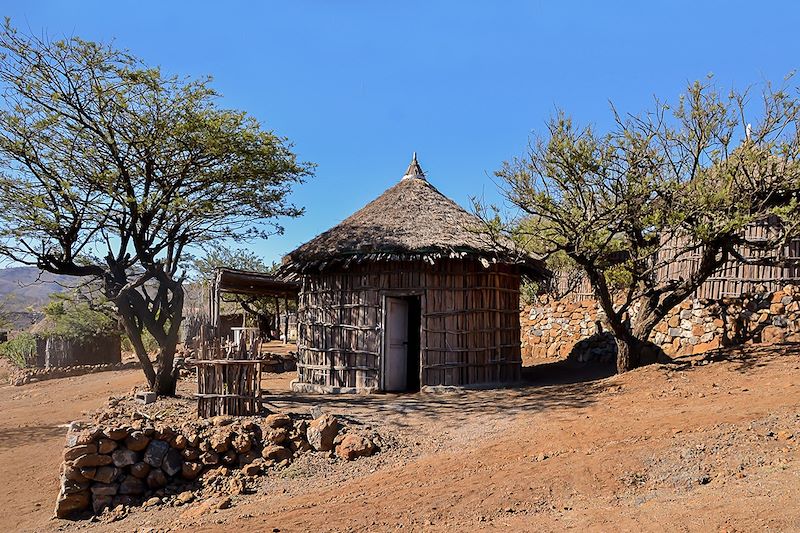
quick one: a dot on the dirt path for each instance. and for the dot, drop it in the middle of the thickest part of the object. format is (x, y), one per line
(679, 448)
(709, 447)
(32, 440)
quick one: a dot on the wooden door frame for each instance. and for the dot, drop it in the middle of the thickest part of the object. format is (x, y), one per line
(390, 293)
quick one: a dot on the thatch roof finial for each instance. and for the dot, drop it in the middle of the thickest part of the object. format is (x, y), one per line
(414, 170)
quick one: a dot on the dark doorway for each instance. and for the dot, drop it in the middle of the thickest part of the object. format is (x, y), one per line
(414, 353)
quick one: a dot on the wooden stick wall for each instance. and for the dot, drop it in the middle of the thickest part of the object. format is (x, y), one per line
(469, 331)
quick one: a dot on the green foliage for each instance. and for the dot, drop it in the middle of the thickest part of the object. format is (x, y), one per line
(19, 349)
(149, 343)
(111, 169)
(675, 185)
(69, 319)
(219, 256)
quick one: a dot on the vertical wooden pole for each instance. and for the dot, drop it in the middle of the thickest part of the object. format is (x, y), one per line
(277, 316)
(286, 320)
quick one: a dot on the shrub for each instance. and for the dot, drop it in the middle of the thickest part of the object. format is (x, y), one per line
(19, 349)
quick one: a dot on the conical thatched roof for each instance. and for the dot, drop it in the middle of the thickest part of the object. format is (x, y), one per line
(410, 221)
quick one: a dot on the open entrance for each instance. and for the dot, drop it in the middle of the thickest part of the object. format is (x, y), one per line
(401, 365)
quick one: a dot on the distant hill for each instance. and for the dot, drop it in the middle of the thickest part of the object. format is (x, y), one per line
(24, 289)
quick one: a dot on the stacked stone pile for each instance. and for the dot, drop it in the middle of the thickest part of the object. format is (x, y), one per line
(557, 328)
(114, 466)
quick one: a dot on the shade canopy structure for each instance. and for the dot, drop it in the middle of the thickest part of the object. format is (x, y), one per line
(258, 284)
(234, 281)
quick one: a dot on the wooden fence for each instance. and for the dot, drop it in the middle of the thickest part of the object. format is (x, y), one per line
(732, 280)
(228, 377)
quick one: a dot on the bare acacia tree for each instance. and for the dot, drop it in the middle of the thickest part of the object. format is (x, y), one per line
(111, 170)
(682, 181)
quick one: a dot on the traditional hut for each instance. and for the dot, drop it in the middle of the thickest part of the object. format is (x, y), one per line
(407, 293)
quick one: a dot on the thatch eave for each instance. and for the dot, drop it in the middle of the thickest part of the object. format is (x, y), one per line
(410, 221)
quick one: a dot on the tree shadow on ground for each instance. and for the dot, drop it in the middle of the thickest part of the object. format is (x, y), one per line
(15, 437)
(746, 357)
(550, 386)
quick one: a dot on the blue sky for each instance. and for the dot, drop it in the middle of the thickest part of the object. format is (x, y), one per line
(358, 86)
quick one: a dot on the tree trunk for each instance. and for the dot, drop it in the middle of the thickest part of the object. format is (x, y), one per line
(166, 380)
(138, 316)
(628, 355)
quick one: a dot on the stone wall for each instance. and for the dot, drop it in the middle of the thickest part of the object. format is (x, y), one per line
(157, 464)
(23, 376)
(553, 329)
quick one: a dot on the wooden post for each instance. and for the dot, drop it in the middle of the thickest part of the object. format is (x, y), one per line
(277, 316)
(286, 320)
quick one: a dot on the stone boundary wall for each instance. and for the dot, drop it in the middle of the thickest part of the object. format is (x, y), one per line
(157, 464)
(553, 329)
(23, 376)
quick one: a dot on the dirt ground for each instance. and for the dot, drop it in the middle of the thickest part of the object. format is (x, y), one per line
(708, 445)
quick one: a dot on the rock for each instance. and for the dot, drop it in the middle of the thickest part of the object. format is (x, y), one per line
(248, 457)
(321, 432)
(220, 441)
(193, 439)
(156, 450)
(179, 442)
(73, 472)
(184, 497)
(92, 459)
(132, 486)
(277, 436)
(785, 435)
(242, 443)
(123, 457)
(252, 469)
(106, 474)
(229, 457)
(105, 489)
(299, 444)
(76, 437)
(209, 458)
(156, 479)
(353, 446)
(235, 486)
(772, 334)
(67, 504)
(777, 309)
(222, 420)
(300, 427)
(278, 421)
(190, 471)
(223, 503)
(190, 454)
(172, 462)
(85, 473)
(155, 500)
(276, 453)
(116, 433)
(100, 502)
(76, 451)
(106, 446)
(120, 503)
(137, 441)
(71, 487)
(140, 470)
